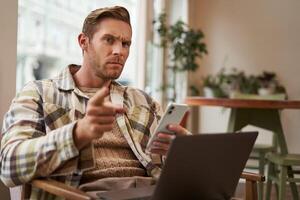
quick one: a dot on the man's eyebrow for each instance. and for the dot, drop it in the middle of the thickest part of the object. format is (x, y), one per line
(116, 37)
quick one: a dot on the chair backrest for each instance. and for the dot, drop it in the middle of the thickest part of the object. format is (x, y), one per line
(4, 191)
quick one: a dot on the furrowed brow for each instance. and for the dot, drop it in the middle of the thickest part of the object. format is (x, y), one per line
(117, 38)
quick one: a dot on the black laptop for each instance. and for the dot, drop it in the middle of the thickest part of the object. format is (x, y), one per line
(204, 166)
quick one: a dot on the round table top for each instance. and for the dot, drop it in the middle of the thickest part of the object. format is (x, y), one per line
(243, 103)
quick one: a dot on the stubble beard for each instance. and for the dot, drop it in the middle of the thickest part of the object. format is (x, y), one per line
(102, 73)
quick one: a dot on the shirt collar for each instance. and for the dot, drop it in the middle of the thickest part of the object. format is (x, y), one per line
(64, 81)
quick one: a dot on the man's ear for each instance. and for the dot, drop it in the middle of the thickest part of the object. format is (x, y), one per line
(83, 41)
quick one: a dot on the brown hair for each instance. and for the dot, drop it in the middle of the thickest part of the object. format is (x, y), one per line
(91, 21)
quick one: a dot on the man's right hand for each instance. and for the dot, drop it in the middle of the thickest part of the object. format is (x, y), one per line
(98, 119)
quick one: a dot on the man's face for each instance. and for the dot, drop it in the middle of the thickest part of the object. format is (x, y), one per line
(108, 50)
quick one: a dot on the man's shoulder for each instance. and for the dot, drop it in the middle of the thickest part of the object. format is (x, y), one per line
(39, 84)
(38, 89)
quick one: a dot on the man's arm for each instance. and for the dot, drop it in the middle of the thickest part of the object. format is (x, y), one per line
(26, 151)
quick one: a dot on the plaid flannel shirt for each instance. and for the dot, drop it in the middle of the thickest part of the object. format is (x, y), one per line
(37, 136)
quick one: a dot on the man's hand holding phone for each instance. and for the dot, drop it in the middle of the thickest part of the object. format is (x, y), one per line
(167, 129)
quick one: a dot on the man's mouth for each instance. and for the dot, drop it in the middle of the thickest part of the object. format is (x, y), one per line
(115, 63)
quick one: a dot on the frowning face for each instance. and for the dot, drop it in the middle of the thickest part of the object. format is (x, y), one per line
(108, 49)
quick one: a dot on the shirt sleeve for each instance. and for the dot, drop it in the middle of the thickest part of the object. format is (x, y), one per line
(26, 150)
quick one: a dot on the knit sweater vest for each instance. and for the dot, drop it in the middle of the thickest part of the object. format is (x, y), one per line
(114, 157)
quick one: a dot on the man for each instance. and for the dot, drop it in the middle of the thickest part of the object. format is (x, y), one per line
(83, 128)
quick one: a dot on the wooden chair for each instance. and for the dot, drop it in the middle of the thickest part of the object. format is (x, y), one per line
(280, 172)
(68, 192)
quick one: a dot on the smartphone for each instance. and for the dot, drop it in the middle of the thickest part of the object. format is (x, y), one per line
(173, 115)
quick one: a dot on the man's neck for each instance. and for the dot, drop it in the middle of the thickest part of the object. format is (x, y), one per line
(84, 77)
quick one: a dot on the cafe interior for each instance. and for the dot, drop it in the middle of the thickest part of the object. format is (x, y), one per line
(237, 68)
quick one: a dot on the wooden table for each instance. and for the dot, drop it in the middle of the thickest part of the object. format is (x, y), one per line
(261, 113)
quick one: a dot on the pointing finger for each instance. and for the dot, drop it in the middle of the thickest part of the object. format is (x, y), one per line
(98, 98)
(117, 108)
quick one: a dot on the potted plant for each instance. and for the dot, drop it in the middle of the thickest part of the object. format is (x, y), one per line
(235, 84)
(184, 46)
(268, 84)
(230, 81)
(212, 87)
(225, 83)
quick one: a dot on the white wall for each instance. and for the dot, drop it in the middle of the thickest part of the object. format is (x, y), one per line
(8, 51)
(253, 36)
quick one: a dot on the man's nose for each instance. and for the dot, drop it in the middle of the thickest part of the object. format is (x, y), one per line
(117, 48)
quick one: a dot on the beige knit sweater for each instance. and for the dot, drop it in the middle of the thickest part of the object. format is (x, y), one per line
(114, 158)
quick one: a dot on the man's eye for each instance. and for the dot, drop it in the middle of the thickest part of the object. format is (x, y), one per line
(109, 40)
(126, 44)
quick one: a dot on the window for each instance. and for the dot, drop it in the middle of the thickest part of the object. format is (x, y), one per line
(154, 64)
(158, 76)
(47, 37)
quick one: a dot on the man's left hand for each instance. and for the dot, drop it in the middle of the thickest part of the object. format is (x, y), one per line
(162, 143)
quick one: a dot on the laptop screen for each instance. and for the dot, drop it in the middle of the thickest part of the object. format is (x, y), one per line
(204, 166)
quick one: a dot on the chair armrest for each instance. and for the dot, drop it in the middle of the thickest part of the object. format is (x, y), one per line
(251, 184)
(252, 176)
(68, 192)
(60, 189)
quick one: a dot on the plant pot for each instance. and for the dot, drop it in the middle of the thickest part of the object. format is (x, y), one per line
(265, 91)
(233, 93)
(208, 92)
